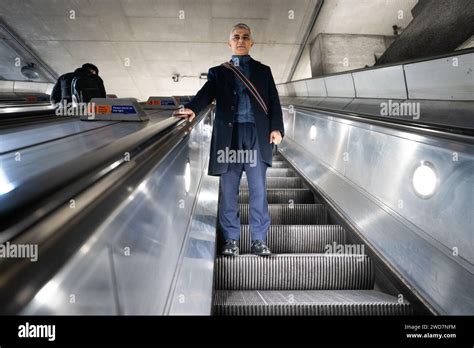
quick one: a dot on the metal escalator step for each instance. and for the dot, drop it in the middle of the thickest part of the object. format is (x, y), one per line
(294, 272)
(278, 182)
(278, 157)
(290, 214)
(281, 172)
(279, 164)
(312, 302)
(282, 196)
(296, 238)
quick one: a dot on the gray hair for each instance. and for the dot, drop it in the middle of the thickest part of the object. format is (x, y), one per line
(240, 26)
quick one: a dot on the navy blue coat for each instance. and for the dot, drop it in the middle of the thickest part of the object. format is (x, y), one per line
(220, 85)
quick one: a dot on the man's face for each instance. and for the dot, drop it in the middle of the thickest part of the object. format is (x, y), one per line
(240, 42)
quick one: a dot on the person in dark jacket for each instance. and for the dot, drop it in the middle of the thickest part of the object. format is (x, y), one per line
(87, 84)
(95, 71)
(62, 89)
(241, 126)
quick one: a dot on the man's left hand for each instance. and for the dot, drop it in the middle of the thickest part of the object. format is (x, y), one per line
(275, 137)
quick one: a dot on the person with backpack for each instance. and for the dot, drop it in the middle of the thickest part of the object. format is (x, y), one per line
(62, 89)
(87, 84)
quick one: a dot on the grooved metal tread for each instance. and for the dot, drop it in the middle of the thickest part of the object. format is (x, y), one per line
(279, 164)
(308, 302)
(296, 238)
(294, 272)
(278, 182)
(283, 196)
(277, 157)
(286, 214)
(278, 172)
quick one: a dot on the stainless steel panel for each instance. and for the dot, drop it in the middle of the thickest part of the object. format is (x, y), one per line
(6, 86)
(380, 83)
(143, 239)
(370, 106)
(316, 87)
(373, 188)
(194, 285)
(331, 137)
(83, 287)
(282, 90)
(301, 90)
(20, 166)
(335, 103)
(33, 87)
(290, 89)
(451, 113)
(29, 108)
(21, 137)
(449, 78)
(340, 86)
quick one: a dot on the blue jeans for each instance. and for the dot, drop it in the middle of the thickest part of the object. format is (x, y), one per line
(244, 137)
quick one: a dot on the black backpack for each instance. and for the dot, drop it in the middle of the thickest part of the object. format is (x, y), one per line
(86, 86)
(66, 81)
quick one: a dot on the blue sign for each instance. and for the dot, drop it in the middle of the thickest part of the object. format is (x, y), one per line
(123, 109)
(167, 102)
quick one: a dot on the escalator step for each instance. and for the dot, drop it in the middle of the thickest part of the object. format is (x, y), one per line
(283, 196)
(279, 164)
(278, 182)
(296, 238)
(278, 157)
(286, 214)
(282, 172)
(312, 302)
(294, 272)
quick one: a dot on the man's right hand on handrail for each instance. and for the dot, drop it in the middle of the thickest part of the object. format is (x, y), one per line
(186, 113)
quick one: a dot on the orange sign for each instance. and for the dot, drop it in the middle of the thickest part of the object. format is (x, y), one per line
(103, 109)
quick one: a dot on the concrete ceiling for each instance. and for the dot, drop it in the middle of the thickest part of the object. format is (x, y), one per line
(138, 45)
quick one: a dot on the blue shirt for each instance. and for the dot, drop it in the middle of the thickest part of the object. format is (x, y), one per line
(243, 111)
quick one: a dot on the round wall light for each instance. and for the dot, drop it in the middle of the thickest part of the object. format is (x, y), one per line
(425, 179)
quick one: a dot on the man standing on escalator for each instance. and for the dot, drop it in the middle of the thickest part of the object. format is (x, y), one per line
(248, 120)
